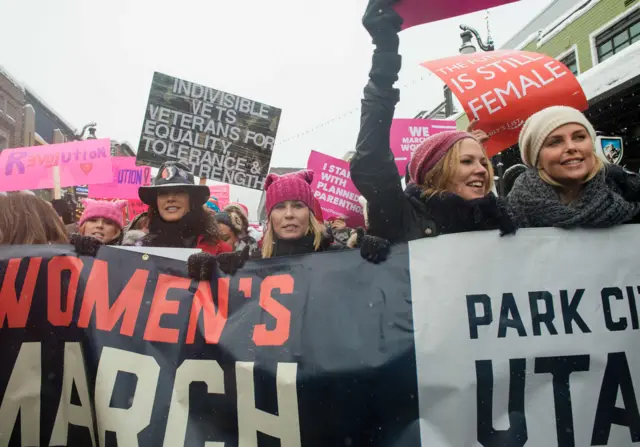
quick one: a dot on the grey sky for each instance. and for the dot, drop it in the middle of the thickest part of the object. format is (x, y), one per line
(92, 60)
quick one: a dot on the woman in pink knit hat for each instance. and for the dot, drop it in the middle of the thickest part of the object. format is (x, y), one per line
(103, 220)
(451, 176)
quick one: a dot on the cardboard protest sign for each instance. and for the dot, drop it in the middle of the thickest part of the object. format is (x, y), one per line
(503, 88)
(127, 178)
(80, 163)
(218, 135)
(408, 134)
(417, 12)
(220, 192)
(334, 189)
(135, 207)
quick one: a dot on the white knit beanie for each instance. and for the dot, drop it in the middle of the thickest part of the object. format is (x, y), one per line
(541, 124)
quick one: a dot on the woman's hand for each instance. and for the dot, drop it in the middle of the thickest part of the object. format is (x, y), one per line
(383, 25)
(478, 134)
(85, 245)
(229, 263)
(374, 249)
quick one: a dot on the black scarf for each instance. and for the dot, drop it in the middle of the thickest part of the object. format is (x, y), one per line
(181, 234)
(606, 200)
(452, 214)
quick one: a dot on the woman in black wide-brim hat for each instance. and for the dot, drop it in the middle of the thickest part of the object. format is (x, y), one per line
(177, 219)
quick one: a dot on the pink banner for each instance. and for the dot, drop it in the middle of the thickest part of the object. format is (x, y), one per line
(135, 207)
(417, 12)
(408, 134)
(334, 189)
(220, 192)
(81, 163)
(127, 178)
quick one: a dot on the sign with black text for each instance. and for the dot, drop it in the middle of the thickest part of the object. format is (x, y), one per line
(218, 135)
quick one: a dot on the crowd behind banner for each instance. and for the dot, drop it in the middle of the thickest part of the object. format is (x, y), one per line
(337, 206)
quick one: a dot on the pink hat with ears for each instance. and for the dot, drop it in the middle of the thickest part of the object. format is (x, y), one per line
(105, 209)
(294, 186)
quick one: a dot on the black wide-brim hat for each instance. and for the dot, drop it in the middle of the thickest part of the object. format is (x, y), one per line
(177, 176)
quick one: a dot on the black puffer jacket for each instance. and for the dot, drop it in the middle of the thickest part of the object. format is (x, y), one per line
(394, 215)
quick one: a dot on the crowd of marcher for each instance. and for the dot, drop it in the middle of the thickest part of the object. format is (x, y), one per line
(450, 182)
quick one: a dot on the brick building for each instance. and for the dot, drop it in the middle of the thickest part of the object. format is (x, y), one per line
(12, 103)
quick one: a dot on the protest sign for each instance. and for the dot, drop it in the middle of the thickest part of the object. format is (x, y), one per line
(220, 192)
(219, 136)
(503, 88)
(408, 134)
(80, 163)
(135, 207)
(417, 12)
(333, 188)
(534, 346)
(127, 178)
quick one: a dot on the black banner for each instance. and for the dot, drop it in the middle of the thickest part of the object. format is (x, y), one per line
(125, 350)
(218, 135)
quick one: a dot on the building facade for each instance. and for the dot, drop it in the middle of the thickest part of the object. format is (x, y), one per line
(12, 102)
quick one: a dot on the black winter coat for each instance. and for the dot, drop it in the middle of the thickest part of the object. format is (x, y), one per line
(394, 214)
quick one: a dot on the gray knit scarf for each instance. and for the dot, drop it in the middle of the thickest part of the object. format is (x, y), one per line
(601, 205)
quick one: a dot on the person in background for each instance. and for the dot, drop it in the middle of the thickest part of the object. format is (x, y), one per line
(451, 176)
(566, 184)
(178, 219)
(341, 233)
(510, 175)
(230, 227)
(28, 220)
(102, 220)
(239, 214)
(138, 228)
(212, 205)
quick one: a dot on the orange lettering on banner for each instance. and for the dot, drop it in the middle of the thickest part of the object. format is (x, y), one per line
(55, 313)
(245, 286)
(161, 306)
(213, 321)
(126, 306)
(278, 336)
(14, 310)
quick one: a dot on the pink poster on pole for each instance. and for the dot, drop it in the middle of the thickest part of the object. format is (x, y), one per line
(408, 134)
(417, 12)
(81, 163)
(220, 192)
(127, 178)
(333, 188)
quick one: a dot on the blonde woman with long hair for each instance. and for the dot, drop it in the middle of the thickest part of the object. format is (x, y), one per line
(292, 227)
(567, 184)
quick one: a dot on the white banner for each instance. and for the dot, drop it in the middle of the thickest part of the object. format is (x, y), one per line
(528, 340)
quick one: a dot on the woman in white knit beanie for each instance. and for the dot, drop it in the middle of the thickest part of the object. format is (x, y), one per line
(567, 185)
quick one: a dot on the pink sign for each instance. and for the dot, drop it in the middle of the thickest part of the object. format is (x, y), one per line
(127, 178)
(135, 207)
(334, 190)
(81, 163)
(417, 12)
(408, 134)
(220, 192)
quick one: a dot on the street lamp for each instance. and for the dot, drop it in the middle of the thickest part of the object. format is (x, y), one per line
(467, 47)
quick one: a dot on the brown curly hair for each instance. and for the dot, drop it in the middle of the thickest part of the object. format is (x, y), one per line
(29, 220)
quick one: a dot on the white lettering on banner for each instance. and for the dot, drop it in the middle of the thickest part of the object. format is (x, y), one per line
(542, 345)
(22, 395)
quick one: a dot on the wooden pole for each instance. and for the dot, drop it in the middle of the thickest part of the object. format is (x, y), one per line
(57, 191)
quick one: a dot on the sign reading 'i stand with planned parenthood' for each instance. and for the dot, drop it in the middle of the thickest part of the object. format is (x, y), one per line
(218, 135)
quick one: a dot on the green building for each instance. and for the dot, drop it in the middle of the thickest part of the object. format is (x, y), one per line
(599, 40)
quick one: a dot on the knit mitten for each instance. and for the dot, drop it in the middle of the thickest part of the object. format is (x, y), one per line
(201, 266)
(85, 245)
(229, 263)
(375, 249)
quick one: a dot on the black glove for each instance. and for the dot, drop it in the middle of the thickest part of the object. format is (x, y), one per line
(85, 245)
(374, 249)
(201, 266)
(229, 263)
(383, 25)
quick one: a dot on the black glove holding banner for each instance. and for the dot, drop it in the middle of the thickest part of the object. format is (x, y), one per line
(85, 245)
(201, 266)
(229, 263)
(374, 249)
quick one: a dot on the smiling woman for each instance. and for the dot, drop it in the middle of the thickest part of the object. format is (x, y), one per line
(103, 220)
(567, 184)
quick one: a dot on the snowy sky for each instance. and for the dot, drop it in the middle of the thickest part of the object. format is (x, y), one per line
(93, 61)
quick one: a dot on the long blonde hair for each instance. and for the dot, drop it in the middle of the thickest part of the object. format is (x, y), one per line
(440, 176)
(29, 220)
(269, 237)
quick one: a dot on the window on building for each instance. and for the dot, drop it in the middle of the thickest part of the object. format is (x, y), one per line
(4, 143)
(619, 36)
(570, 61)
(3, 103)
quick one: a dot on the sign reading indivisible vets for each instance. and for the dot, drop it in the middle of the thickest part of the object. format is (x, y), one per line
(503, 88)
(417, 12)
(217, 135)
(438, 346)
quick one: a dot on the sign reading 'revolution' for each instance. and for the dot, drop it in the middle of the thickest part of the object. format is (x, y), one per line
(218, 135)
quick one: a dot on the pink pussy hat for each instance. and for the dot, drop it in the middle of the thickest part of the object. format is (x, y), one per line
(293, 186)
(105, 209)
